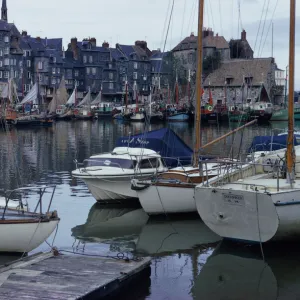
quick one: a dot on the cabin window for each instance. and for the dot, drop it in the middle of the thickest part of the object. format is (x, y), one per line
(149, 163)
(110, 162)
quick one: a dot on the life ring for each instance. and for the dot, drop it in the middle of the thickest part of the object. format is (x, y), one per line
(209, 108)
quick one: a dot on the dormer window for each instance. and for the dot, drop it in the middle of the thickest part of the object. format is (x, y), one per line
(229, 80)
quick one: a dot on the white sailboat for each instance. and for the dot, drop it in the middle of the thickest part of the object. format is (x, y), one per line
(265, 205)
(83, 109)
(22, 230)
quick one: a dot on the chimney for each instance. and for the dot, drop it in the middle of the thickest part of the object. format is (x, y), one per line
(93, 41)
(38, 39)
(24, 33)
(141, 44)
(244, 35)
(74, 48)
(192, 34)
(105, 45)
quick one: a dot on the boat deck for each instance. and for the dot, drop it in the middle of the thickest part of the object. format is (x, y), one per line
(62, 277)
(18, 214)
(263, 182)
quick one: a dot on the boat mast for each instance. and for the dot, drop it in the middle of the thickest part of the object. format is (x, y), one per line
(199, 84)
(290, 140)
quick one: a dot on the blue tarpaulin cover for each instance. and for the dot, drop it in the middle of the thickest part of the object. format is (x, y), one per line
(164, 141)
(270, 143)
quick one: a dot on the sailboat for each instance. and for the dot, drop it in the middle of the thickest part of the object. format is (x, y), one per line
(173, 191)
(57, 107)
(138, 115)
(124, 114)
(23, 230)
(100, 108)
(83, 110)
(174, 115)
(264, 205)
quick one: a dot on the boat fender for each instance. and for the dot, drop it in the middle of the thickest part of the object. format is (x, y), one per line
(209, 108)
(140, 187)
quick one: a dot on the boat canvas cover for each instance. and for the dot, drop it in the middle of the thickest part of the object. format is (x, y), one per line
(165, 142)
(271, 143)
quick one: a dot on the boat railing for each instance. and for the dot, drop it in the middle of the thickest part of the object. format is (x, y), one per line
(40, 190)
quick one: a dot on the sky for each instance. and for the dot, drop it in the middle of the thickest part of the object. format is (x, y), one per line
(125, 21)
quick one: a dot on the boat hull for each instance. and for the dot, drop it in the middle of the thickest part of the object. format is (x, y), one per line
(138, 117)
(156, 199)
(282, 114)
(248, 215)
(24, 237)
(180, 117)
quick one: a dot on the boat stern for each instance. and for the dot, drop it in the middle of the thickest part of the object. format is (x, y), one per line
(238, 214)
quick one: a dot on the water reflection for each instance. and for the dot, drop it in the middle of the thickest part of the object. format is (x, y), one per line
(239, 272)
(160, 236)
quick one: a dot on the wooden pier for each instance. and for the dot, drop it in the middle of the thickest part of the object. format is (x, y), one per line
(68, 277)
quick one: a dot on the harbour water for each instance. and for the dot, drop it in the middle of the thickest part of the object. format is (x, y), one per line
(188, 260)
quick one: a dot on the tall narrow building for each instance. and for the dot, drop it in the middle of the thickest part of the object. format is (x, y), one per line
(4, 11)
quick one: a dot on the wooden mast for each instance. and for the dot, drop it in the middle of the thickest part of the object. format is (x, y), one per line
(290, 140)
(199, 84)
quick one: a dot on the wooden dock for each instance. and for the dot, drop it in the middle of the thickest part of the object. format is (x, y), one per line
(45, 276)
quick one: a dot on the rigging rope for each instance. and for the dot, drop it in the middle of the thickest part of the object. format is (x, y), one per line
(262, 12)
(263, 29)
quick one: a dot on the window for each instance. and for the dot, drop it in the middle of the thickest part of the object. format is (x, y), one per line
(84, 59)
(110, 162)
(1, 63)
(6, 74)
(6, 50)
(53, 81)
(6, 39)
(40, 65)
(1, 52)
(6, 62)
(135, 65)
(54, 59)
(91, 59)
(76, 73)
(28, 75)
(53, 70)
(145, 77)
(11, 61)
(94, 70)
(69, 73)
(1, 74)
(149, 163)
(135, 75)
(58, 70)
(28, 62)
(109, 66)
(145, 67)
(248, 80)
(58, 80)
(40, 77)
(111, 86)
(88, 70)
(111, 76)
(16, 74)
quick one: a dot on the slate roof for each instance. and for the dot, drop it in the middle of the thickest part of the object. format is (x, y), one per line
(116, 53)
(237, 69)
(190, 42)
(81, 44)
(128, 50)
(158, 64)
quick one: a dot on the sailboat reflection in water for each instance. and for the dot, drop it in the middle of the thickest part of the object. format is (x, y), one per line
(132, 229)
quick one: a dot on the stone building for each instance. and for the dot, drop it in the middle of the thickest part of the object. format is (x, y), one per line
(240, 79)
(240, 48)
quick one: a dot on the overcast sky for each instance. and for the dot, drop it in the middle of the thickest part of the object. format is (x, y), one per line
(125, 21)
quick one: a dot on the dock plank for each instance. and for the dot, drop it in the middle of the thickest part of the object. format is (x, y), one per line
(67, 277)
